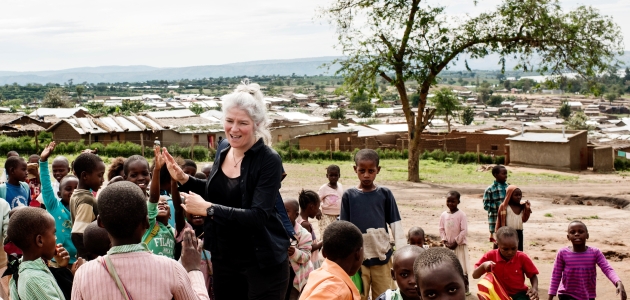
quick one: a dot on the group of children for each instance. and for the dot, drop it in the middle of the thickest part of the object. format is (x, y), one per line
(357, 259)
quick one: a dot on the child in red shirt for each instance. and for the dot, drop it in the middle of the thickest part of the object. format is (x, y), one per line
(510, 266)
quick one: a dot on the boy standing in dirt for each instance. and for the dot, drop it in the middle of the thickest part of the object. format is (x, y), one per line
(493, 197)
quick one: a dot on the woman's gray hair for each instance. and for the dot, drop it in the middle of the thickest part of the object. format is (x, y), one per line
(248, 97)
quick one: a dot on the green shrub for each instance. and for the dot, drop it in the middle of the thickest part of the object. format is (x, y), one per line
(622, 164)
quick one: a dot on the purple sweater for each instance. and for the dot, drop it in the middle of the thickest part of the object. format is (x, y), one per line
(574, 274)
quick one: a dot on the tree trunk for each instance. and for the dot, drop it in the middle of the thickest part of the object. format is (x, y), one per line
(413, 160)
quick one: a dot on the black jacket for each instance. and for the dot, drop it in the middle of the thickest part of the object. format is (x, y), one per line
(261, 173)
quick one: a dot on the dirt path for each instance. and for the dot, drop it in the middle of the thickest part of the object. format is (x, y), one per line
(421, 205)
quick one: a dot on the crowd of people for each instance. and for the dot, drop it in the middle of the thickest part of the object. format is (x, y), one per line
(163, 230)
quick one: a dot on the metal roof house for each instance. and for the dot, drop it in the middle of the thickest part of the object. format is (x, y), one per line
(553, 149)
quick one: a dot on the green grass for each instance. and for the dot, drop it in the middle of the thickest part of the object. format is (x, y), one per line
(548, 215)
(595, 217)
(430, 172)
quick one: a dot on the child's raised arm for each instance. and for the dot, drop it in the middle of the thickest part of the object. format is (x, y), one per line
(527, 211)
(154, 191)
(180, 220)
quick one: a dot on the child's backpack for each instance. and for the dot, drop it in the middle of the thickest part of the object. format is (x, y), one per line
(3, 189)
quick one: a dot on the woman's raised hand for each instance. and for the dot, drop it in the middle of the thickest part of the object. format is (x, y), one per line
(195, 204)
(173, 168)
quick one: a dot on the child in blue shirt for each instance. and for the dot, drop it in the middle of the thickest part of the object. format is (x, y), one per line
(16, 191)
(58, 205)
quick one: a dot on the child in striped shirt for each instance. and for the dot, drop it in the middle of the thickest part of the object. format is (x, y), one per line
(299, 253)
(574, 272)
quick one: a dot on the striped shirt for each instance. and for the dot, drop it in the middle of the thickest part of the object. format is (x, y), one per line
(144, 275)
(574, 273)
(492, 198)
(35, 282)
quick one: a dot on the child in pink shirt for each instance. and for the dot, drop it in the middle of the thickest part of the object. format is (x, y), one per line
(453, 230)
(330, 196)
(299, 253)
(309, 208)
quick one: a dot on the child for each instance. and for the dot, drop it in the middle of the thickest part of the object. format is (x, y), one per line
(196, 222)
(300, 254)
(453, 231)
(122, 211)
(160, 238)
(439, 275)
(189, 167)
(5, 209)
(57, 204)
(165, 188)
(402, 273)
(12, 154)
(206, 170)
(510, 266)
(33, 180)
(116, 168)
(371, 208)
(343, 250)
(96, 241)
(330, 196)
(415, 236)
(33, 230)
(574, 274)
(16, 191)
(201, 175)
(136, 169)
(89, 168)
(513, 212)
(309, 208)
(494, 196)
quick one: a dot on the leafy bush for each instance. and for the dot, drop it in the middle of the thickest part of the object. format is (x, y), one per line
(622, 164)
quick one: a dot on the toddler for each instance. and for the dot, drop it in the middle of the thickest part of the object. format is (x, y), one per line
(309, 208)
(513, 212)
(330, 195)
(299, 253)
(415, 236)
(453, 231)
(574, 274)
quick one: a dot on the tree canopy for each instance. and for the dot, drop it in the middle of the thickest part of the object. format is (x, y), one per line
(411, 40)
(446, 104)
(55, 99)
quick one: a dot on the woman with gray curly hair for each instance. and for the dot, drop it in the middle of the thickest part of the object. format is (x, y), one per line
(243, 231)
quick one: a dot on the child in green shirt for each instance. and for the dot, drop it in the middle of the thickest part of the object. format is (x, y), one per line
(33, 231)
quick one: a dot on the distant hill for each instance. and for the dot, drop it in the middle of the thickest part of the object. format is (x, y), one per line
(301, 66)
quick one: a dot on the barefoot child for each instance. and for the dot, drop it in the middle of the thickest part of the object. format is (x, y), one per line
(510, 266)
(453, 231)
(574, 272)
(330, 195)
(372, 208)
(513, 212)
(343, 250)
(439, 275)
(494, 196)
(415, 236)
(90, 169)
(309, 208)
(402, 273)
(33, 231)
(299, 253)
(57, 204)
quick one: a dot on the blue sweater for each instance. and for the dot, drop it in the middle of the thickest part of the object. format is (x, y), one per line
(61, 213)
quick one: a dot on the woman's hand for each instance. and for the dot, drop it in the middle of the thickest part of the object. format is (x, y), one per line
(173, 168)
(191, 251)
(195, 204)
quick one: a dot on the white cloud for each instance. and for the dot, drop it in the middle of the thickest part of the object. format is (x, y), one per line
(41, 35)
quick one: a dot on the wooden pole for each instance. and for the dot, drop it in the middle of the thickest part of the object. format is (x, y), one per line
(192, 145)
(478, 154)
(331, 150)
(36, 142)
(142, 141)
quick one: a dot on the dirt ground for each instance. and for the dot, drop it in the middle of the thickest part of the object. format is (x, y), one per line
(601, 201)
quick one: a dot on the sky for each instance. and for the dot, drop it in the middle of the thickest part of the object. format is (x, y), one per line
(40, 35)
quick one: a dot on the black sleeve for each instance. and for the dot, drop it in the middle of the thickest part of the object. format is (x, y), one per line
(195, 185)
(64, 279)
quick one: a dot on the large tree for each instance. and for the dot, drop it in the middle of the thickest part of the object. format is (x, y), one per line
(55, 99)
(404, 41)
